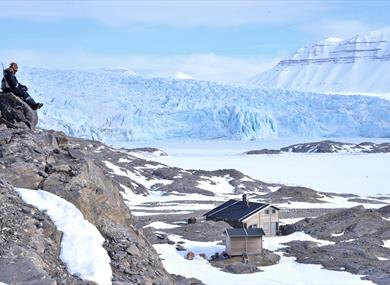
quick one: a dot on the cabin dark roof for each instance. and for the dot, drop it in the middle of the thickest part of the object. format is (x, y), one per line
(242, 232)
(235, 210)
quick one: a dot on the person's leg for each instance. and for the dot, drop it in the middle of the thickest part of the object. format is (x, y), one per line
(27, 98)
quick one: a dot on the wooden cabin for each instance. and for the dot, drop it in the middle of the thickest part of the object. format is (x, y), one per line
(243, 241)
(246, 214)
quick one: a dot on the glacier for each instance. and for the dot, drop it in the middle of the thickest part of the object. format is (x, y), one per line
(360, 64)
(116, 106)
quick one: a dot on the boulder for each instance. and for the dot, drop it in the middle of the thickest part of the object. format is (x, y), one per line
(15, 113)
(190, 255)
(180, 280)
(241, 268)
(203, 255)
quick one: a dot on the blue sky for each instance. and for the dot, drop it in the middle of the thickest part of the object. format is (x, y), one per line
(225, 41)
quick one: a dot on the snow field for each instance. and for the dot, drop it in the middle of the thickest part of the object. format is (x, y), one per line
(362, 174)
(82, 244)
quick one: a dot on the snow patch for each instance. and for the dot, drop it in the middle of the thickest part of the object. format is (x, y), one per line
(219, 185)
(287, 221)
(382, 258)
(386, 243)
(135, 176)
(82, 244)
(338, 234)
(276, 243)
(160, 225)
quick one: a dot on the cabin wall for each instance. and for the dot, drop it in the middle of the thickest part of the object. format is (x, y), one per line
(268, 222)
(241, 245)
(228, 247)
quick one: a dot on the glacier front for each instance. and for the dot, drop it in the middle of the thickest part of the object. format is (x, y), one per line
(116, 107)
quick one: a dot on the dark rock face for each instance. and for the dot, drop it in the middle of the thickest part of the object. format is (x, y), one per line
(149, 150)
(15, 113)
(29, 244)
(48, 161)
(293, 193)
(328, 146)
(358, 234)
(263, 151)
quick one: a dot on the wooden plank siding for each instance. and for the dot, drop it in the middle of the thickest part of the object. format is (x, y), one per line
(269, 222)
(244, 245)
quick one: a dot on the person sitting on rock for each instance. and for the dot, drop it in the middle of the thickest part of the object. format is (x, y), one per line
(11, 84)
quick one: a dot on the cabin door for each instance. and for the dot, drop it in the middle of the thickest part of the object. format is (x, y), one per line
(274, 227)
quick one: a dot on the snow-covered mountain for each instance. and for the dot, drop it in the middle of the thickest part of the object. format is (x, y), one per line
(116, 107)
(359, 65)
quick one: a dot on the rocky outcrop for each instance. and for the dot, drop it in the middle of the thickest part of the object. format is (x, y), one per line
(49, 161)
(328, 146)
(286, 194)
(358, 235)
(14, 113)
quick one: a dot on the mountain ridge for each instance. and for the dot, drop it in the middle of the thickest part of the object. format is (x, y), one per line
(359, 64)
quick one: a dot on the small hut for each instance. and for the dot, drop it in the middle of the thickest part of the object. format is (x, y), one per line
(244, 241)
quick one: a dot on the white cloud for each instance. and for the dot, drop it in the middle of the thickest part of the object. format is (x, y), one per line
(179, 13)
(338, 28)
(225, 69)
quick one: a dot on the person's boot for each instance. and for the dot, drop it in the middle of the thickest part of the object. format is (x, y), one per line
(37, 106)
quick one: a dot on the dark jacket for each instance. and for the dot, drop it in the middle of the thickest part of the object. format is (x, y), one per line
(9, 81)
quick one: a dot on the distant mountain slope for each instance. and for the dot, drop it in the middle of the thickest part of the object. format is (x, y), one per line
(360, 64)
(116, 107)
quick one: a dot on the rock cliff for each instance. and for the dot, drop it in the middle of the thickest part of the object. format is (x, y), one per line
(51, 161)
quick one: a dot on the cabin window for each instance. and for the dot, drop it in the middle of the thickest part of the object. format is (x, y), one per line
(266, 212)
(253, 226)
(273, 211)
